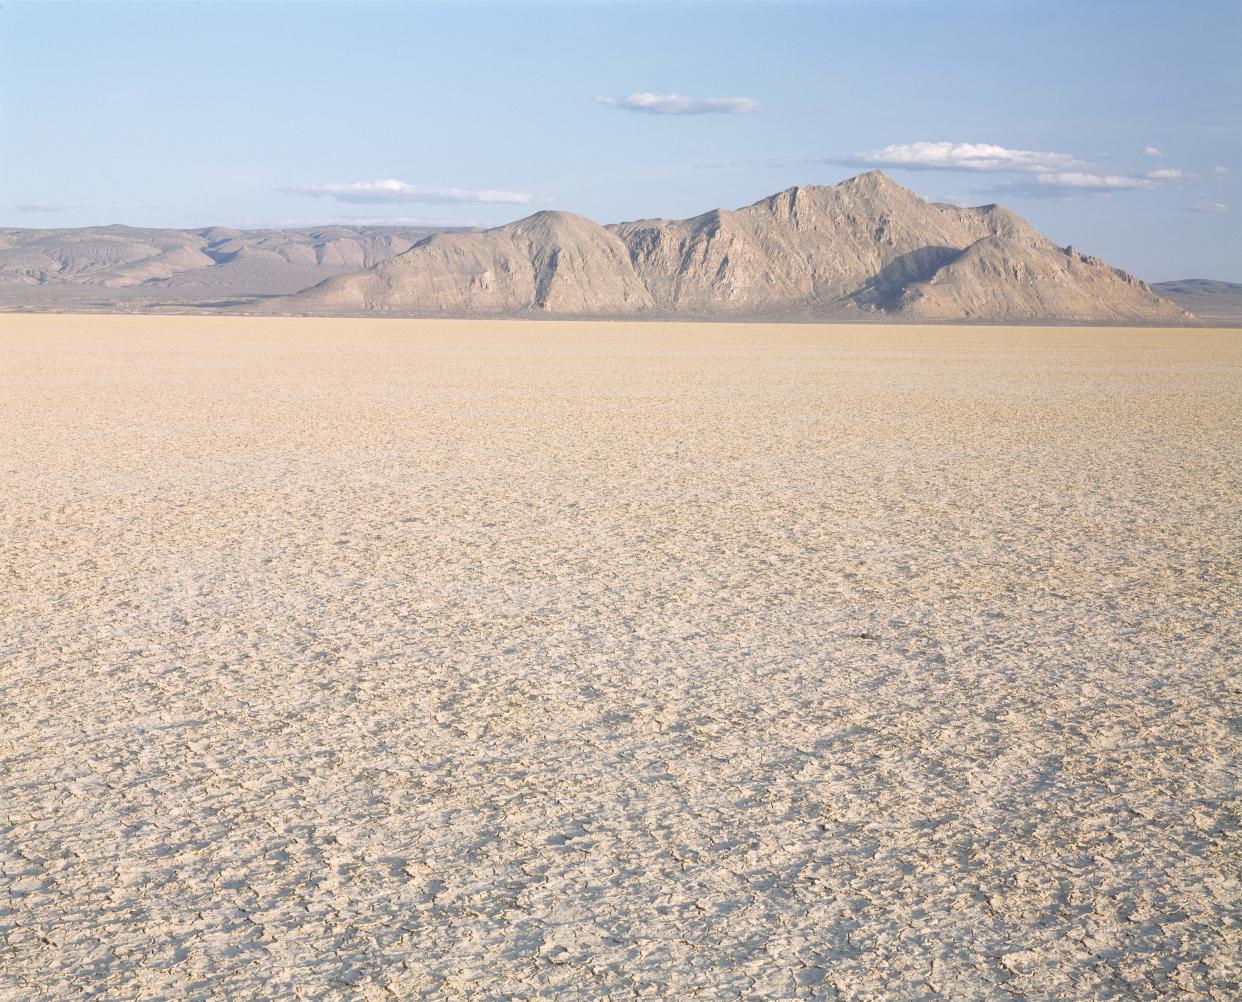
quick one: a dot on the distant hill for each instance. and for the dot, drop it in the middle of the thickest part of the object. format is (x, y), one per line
(119, 265)
(866, 248)
(1210, 301)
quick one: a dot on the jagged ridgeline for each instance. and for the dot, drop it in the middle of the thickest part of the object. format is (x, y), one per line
(865, 248)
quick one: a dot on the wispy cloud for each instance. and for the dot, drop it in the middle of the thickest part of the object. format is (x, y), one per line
(1107, 182)
(960, 157)
(41, 207)
(647, 103)
(1047, 173)
(767, 162)
(404, 220)
(1069, 184)
(394, 191)
(1208, 207)
(1041, 173)
(1151, 151)
(1220, 171)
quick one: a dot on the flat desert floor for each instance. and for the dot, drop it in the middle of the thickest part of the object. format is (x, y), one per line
(456, 660)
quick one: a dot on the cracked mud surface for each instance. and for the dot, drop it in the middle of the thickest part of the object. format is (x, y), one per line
(448, 660)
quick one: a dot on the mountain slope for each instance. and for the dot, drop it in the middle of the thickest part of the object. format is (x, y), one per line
(806, 246)
(866, 248)
(552, 261)
(998, 277)
(108, 264)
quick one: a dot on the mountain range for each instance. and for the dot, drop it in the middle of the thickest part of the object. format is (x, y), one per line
(128, 267)
(1213, 302)
(864, 249)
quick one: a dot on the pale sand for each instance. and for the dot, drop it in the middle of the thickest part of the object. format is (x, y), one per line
(572, 661)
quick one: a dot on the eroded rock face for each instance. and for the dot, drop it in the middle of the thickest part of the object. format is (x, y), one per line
(866, 247)
(806, 246)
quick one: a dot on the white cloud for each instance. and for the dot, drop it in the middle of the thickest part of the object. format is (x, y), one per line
(39, 207)
(960, 156)
(1051, 174)
(1151, 151)
(675, 104)
(1095, 182)
(1070, 184)
(392, 190)
(1220, 171)
(1208, 207)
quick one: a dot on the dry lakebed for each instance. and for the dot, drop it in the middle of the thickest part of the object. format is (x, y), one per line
(384, 659)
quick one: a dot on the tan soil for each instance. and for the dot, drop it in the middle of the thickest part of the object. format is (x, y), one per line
(462, 660)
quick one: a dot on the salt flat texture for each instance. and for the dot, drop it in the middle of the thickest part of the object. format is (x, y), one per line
(456, 660)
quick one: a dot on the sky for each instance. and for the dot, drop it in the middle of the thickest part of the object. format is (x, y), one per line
(1114, 125)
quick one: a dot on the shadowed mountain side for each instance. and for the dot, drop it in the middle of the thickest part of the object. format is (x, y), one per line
(866, 247)
(803, 246)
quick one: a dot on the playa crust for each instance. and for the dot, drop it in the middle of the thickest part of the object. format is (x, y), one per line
(394, 659)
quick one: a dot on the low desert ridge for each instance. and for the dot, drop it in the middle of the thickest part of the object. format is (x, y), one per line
(365, 659)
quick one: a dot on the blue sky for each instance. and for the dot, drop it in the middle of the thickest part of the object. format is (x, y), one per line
(1115, 126)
